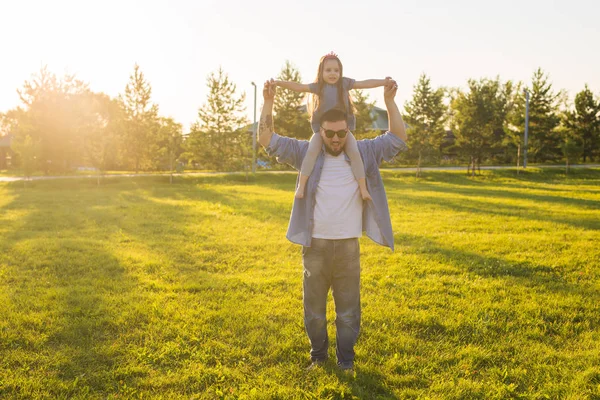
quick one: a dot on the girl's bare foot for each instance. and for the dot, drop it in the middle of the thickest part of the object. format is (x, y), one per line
(302, 179)
(366, 195)
(364, 192)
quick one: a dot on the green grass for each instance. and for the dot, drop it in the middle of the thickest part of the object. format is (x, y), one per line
(141, 289)
(19, 173)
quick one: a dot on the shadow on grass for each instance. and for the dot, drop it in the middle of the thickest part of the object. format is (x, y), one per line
(522, 273)
(71, 241)
(73, 286)
(364, 384)
(477, 193)
(90, 278)
(262, 209)
(537, 179)
(483, 190)
(93, 283)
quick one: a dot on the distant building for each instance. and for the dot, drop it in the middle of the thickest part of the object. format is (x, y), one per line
(380, 119)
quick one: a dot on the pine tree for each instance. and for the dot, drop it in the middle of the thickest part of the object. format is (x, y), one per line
(221, 139)
(363, 114)
(425, 116)
(292, 119)
(544, 143)
(141, 121)
(584, 124)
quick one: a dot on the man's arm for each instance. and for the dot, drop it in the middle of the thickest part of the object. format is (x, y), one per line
(287, 150)
(265, 126)
(385, 147)
(396, 124)
(370, 83)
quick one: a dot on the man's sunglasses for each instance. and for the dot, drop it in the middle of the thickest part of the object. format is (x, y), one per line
(341, 133)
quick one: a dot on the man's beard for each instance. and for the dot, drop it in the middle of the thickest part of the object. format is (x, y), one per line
(333, 152)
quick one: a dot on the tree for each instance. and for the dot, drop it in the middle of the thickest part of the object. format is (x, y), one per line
(4, 131)
(220, 139)
(168, 148)
(479, 118)
(571, 150)
(364, 118)
(100, 131)
(141, 120)
(29, 151)
(51, 116)
(425, 116)
(14, 122)
(292, 119)
(544, 143)
(584, 123)
(4, 125)
(514, 131)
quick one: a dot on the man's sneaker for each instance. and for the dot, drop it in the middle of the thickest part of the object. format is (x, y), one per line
(346, 368)
(315, 364)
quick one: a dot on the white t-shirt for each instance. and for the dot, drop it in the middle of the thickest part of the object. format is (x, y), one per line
(338, 203)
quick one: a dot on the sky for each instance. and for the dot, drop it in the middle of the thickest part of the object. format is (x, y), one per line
(178, 43)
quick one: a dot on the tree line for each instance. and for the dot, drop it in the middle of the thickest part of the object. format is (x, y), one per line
(62, 125)
(486, 121)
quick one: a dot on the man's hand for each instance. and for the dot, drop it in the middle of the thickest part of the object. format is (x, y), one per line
(390, 89)
(269, 90)
(265, 125)
(396, 125)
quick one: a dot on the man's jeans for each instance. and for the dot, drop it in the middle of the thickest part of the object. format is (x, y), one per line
(336, 264)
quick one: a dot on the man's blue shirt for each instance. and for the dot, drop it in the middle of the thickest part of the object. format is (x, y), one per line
(376, 219)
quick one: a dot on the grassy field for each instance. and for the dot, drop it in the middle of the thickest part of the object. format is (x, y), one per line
(141, 289)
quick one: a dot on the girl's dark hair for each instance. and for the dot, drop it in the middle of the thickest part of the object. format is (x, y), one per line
(315, 99)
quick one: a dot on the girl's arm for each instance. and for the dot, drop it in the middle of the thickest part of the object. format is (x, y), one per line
(295, 86)
(371, 83)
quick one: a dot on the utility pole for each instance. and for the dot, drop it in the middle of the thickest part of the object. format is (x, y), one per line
(254, 133)
(526, 128)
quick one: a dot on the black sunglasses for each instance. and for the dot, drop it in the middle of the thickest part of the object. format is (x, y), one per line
(341, 133)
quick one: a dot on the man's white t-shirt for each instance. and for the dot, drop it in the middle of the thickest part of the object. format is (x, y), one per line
(338, 203)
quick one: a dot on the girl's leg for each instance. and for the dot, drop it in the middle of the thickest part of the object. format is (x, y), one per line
(358, 168)
(314, 147)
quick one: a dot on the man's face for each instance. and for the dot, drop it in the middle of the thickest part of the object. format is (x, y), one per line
(334, 145)
(331, 71)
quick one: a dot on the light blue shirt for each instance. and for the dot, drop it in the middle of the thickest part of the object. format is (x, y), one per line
(376, 221)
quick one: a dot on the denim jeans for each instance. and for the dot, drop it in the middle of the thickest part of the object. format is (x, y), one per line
(334, 264)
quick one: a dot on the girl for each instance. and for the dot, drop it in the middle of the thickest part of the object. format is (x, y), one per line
(330, 90)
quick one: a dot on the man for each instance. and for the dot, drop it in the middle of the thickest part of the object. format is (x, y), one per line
(331, 217)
